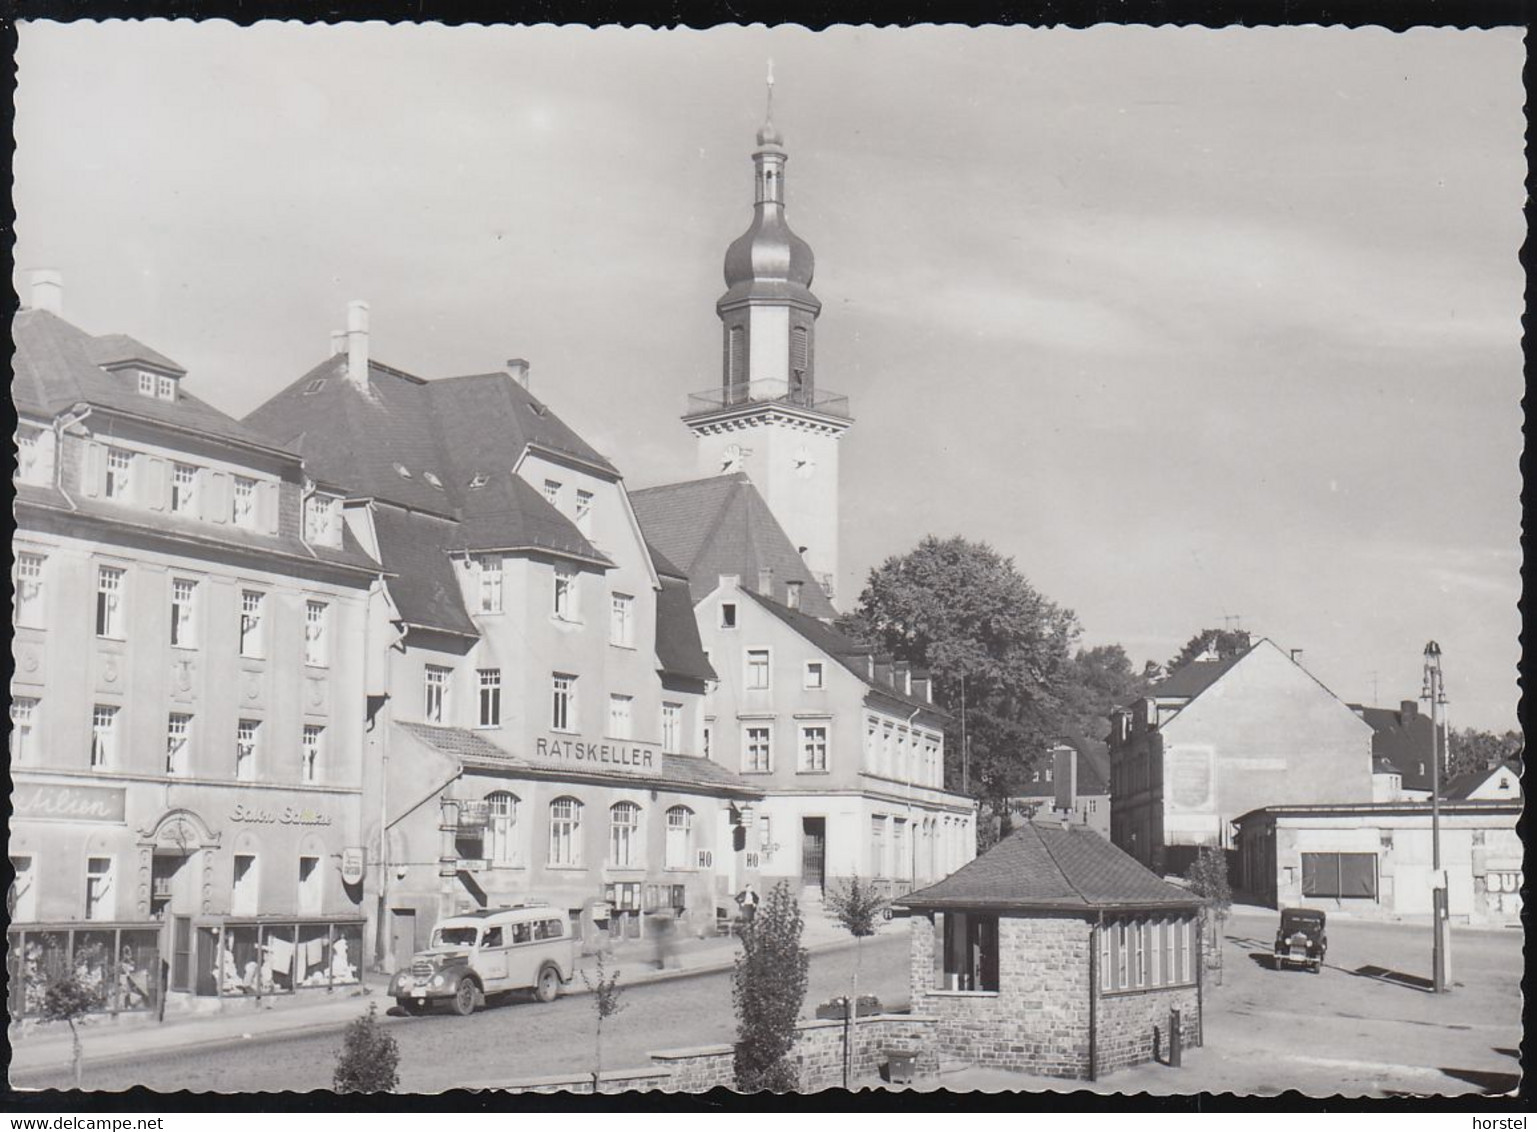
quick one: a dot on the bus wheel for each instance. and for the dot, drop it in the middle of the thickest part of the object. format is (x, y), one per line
(464, 998)
(548, 985)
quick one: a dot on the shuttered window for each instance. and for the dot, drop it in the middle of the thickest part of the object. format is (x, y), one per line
(1340, 875)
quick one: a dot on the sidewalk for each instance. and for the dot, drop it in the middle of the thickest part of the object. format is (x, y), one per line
(48, 1046)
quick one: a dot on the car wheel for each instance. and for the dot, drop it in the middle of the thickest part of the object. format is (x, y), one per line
(548, 985)
(464, 998)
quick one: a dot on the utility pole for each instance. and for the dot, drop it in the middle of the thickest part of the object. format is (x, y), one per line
(1434, 690)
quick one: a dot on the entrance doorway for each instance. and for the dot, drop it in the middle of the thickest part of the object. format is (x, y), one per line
(402, 934)
(813, 852)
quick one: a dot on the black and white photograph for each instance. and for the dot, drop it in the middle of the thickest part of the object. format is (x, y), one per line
(561, 560)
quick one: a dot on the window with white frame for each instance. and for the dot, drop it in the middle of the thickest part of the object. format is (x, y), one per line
(756, 748)
(813, 747)
(244, 885)
(165, 387)
(680, 838)
(183, 613)
(22, 900)
(624, 835)
(29, 455)
(247, 734)
(757, 668)
(178, 739)
(103, 737)
(252, 623)
(565, 594)
(243, 503)
(552, 492)
(565, 832)
(119, 465)
(878, 867)
(502, 828)
(98, 888)
(24, 710)
(27, 588)
(317, 643)
(109, 602)
(489, 682)
(146, 383)
(435, 689)
(765, 835)
(621, 623)
(900, 860)
(888, 747)
(728, 615)
(1140, 953)
(563, 702)
(672, 729)
(311, 886)
(489, 579)
(620, 722)
(872, 744)
(183, 489)
(816, 675)
(584, 511)
(312, 752)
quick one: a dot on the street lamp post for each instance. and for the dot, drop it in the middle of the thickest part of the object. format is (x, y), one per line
(1434, 690)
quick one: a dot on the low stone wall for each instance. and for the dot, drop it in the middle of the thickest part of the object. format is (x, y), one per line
(818, 1057)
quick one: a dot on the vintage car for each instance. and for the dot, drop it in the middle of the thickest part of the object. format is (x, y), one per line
(1300, 939)
(489, 952)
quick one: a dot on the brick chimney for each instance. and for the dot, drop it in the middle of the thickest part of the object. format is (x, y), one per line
(766, 581)
(357, 343)
(48, 291)
(1409, 709)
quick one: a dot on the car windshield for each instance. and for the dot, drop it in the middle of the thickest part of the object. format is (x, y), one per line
(1302, 921)
(454, 937)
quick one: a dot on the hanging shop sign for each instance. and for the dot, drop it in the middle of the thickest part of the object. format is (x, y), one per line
(354, 861)
(47, 801)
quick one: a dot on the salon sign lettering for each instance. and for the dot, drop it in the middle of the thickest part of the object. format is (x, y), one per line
(288, 815)
(70, 803)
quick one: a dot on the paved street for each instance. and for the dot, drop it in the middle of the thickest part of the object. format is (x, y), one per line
(520, 1039)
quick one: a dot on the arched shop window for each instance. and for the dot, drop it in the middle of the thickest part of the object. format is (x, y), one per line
(501, 828)
(623, 835)
(680, 835)
(565, 832)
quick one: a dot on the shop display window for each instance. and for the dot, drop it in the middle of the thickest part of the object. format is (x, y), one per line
(121, 965)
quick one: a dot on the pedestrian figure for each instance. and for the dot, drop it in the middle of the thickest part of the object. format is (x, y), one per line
(747, 899)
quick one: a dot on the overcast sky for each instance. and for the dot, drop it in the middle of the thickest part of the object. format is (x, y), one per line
(1193, 324)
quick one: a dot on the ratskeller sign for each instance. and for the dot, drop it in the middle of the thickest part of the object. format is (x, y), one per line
(632, 757)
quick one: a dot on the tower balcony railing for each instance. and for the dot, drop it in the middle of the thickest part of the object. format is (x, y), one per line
(770, 390)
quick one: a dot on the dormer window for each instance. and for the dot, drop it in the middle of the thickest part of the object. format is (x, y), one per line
(315, 386)
(243, 508)
(479, 481)
(160, 386)
(30, 466)
(320, 520)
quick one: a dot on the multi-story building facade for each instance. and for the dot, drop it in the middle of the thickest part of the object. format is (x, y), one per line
(187, 724)
(1223, 736)
(539, 722)
(847, 752)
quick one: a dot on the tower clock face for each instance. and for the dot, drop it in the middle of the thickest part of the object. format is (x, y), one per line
(805, 463)
(731, 458)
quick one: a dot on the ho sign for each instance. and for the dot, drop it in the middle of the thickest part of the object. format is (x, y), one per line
(354, 860)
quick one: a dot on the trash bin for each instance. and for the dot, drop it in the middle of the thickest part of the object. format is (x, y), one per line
(899, 1066)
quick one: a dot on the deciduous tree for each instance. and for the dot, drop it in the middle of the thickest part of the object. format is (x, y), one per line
(1472, 750)
(768, 987)
(605, 991)
(857, 905)
(1097, 681)
(992, 642)
(1226, 642)
(69, 999)
(368, 1058)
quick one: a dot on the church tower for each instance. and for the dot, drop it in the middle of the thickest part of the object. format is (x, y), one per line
(769, 418)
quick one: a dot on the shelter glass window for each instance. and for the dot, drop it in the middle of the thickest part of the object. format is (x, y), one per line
(967, 952)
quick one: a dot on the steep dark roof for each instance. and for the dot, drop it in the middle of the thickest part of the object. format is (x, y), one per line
(679, 651)
(841, 648)
(119, 349)
(679, 772)
(722, 525)
(424, 589)
(1093, 765)
(1043, 867)
(56, 367)
(1194, 678)
(1460, 788)
(1405, 738)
